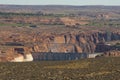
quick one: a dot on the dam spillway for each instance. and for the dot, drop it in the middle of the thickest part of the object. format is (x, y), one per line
(49, 56)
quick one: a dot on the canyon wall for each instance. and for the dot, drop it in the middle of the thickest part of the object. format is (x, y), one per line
(113, 53)
(83, 42)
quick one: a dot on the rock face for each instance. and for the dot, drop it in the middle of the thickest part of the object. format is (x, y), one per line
(114, 53)
(23, 59)
(88, 43)
(67, 42)
(75, 42)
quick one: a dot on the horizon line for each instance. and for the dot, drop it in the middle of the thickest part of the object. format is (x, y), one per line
(56, 5)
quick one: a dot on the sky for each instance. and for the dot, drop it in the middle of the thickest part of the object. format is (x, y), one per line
(61, 2)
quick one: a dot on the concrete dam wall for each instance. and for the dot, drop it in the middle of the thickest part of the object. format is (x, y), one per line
(49, 56)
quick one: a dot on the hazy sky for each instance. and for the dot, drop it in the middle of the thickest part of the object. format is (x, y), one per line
(61, 2)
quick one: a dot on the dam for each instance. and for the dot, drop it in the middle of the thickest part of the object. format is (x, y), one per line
(50, 56)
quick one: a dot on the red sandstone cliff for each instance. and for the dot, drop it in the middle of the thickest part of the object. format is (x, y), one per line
(113, 53)
(55, 42)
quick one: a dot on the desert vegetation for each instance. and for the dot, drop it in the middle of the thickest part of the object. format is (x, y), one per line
(84, 69)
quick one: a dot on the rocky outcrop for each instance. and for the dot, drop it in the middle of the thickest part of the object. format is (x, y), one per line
(15, 54)
(82, 42)
(73, 21)
(21, 58)
(68, 42)
(75, 42)
(114, 53)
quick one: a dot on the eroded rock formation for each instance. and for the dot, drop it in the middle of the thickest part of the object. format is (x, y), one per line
(114, 53)
(76, 42)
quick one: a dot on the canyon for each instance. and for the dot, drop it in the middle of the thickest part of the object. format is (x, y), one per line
(82, 42)
(23, 33)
